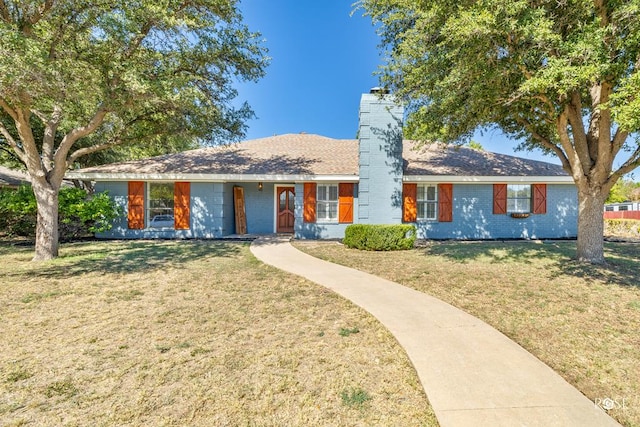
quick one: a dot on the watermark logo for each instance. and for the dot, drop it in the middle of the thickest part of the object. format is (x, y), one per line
(608, 404)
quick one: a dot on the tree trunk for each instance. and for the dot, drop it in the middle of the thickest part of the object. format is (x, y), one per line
(47, 222)
(591, 227)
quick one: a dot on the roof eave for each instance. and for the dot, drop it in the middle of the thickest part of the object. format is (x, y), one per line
(467, 179)
(97, 176)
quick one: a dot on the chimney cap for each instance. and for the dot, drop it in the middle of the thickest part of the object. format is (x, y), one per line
(379, 90)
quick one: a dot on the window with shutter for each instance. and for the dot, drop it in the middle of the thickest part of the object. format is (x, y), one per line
(135, 214)
(499, 199)
(181, 203)
(539, 198)
(345, 203)
(409, 202)
(309, 210)
(445, 202)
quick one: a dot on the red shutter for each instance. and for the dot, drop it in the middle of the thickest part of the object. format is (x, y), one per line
(409, 202)
(539, 198)
(135, 215)
(499, 198)
(345, 203)
(309, 213)
(445, 202)
(181, 205)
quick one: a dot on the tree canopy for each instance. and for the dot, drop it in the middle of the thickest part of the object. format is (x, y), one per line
(561, 76)
(81, 76)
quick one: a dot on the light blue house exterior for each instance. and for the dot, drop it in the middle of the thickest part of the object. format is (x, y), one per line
(313, 187)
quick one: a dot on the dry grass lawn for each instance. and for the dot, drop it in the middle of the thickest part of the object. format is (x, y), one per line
(583, 321)
(190, 333)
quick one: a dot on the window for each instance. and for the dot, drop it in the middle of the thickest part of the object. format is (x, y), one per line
(427, 200)
(519, 198)
(609, 208)
(623, 207)
(327, 202)
(160, 206)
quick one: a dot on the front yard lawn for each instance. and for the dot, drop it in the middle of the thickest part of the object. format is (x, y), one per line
(583, 321)
(194, 333)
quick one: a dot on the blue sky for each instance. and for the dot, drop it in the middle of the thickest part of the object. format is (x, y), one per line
(322, 59)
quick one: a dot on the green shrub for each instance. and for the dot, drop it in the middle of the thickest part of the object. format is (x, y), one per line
(380, 237)
(79, 214)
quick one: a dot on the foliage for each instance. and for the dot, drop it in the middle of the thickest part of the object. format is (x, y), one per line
(18, 211)
(624, 191)
(78, 78)
(80, 214)
(562, 77)
(622, 227)
(380, 237)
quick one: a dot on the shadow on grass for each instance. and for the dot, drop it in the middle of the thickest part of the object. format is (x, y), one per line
(124, 256)
(622, 268)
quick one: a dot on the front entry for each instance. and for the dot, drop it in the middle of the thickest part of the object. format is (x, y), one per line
(285, 215)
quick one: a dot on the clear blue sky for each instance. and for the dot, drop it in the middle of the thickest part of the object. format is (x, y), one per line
(322, 60)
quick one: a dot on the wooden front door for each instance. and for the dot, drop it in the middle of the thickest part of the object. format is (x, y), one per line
(285, 219)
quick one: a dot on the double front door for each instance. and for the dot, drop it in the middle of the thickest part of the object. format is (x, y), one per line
(285, 214)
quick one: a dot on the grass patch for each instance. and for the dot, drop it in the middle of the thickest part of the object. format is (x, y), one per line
(64, 388)
(188, 333)
(345, 332)
(18, 375)
(582, 320)
(355, 398)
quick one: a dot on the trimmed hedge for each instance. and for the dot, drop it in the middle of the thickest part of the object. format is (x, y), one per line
(380, 237)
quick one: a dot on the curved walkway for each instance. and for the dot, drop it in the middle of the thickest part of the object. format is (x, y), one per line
(472, 374)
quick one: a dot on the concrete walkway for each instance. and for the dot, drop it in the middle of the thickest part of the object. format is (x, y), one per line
(472, 374)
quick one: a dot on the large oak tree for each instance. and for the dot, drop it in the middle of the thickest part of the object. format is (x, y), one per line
(81, 76)
(559, 75)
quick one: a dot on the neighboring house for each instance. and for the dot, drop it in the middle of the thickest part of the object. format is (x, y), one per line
(624, 210)
(10, 178)
(314, 187)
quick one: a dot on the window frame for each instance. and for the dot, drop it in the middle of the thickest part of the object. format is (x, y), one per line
(528, 200)
(423, 202)
(149, 208)
(327, 202)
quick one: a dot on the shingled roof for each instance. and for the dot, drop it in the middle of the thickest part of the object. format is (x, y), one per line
(438, 160)
(307, 154)
(291, 154)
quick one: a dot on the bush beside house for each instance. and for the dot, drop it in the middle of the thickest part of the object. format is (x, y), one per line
(80, 215)
(380, 237)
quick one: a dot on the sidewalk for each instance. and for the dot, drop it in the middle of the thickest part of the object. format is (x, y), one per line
(472, 374)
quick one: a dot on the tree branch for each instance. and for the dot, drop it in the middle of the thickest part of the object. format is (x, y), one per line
(48, 141)
(94, 148)
(42, 10)
(4, 12)
(60, 156)
(580, 141)
(573, 158)
(12, 142)
(628, 166)
(7, 108)
(619, 139)
(546, 143)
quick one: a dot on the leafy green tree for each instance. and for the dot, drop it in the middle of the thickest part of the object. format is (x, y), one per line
(623, 191)
(561, 76)
(81, 76)
(80, 215)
